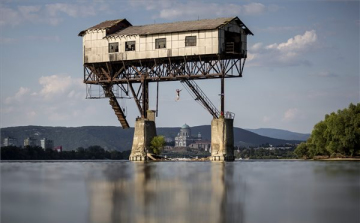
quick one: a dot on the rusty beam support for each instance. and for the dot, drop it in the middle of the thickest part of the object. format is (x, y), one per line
(135, 98)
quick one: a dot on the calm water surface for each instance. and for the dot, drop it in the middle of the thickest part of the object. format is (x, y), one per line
(242, 191)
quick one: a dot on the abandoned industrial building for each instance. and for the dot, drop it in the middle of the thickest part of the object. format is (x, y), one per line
(118, 40)
(120, 57)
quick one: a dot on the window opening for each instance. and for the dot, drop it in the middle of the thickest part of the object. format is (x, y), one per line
(160, 43)
(113, 47)
(190, 41)
(130, 46)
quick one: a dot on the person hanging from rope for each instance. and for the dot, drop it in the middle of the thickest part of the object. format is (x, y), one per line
(178, 94)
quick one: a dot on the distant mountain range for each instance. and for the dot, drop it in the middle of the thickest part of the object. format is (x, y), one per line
(116, 138)
(280, 134)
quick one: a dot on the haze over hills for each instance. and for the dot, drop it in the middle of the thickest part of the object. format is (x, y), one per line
(280, 134)
(116, 138)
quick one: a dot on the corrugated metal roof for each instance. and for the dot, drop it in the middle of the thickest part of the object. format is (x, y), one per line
(103, 25)
(106, 24)
(204, 24)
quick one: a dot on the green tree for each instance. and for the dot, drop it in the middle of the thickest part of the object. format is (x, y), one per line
(337, 135)
(157, 144)
(302, 150)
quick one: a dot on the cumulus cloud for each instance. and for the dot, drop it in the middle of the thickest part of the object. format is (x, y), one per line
(58, 84)
(59, 98)
(290, 114)
(284, 54)
(51, 14)
(296, 43)
(19, 95)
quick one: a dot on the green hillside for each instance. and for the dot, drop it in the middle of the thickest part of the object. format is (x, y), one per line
(116, 138)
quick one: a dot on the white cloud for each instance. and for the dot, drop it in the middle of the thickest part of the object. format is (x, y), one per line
(57, 84)
(9, 16)
(256, 47)
(166, 9)
(283, 54)
(50, 104)
(266, 119)
(30, 13)
(290, 114)
(326, 74)
(51, 14)
(297, 43)
(71, 10)
(253, 9)
(19, 96)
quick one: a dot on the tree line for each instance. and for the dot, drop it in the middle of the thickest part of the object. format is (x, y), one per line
(38, 153)
(338, 135)
(262, 153)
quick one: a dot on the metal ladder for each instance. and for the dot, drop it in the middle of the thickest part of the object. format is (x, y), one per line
(117, 109)
(199, 96)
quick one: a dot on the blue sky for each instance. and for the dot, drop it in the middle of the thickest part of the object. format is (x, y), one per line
(303, 62)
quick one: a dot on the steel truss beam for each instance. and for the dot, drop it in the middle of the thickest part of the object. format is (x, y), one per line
(125, 74)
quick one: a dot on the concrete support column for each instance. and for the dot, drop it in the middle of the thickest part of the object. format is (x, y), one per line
(222, 139)
(144, 132)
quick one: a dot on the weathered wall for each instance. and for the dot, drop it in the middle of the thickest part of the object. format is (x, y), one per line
(145, 131)
(222, 140)
(96, 48)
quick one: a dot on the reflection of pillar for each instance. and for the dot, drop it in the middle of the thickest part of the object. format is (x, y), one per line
(144, 132)
(222, 140)
(217, 193)
(101, 204)
(139, 193)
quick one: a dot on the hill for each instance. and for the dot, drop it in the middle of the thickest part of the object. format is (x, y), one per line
(116, 138)
(280, 134)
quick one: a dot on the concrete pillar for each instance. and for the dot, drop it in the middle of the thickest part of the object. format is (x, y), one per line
(144, 132)
(222, 139)
(151, 115)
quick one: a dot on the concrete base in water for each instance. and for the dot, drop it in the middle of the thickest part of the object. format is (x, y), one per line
(222, 140)
(144, 132)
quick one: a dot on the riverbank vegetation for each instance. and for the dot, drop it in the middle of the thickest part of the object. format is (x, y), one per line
(337, 136)
(157, 144)
(38, 153)
(262, 153)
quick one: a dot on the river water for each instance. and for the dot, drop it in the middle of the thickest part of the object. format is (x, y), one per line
(121, 191)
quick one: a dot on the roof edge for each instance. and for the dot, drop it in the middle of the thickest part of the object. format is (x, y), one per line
(82, 33)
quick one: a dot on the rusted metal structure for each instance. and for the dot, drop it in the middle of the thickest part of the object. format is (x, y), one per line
(119, 55)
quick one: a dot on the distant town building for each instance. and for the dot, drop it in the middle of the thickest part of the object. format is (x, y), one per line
(203, 145)
(10, 141)
(58, 149)
(29, 141)
(46, 143)
(185, 139)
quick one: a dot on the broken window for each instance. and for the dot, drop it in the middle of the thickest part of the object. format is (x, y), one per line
(190, 41)
(130, 46)
(113, 47)
(160, 43)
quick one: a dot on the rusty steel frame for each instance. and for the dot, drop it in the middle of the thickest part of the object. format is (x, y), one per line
(124, 72)
(142, 72)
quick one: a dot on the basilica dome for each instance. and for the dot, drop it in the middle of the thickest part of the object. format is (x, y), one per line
(185, 126)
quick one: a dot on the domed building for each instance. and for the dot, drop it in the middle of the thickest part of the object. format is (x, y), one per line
(184, 138)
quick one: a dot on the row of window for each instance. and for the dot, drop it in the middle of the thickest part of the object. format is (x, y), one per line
(159, 44)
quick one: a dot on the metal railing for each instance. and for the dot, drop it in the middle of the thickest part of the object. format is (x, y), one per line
(199, 96)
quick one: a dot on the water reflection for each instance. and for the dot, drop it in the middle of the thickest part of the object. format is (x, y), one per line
(244, 191)
(166, 192)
